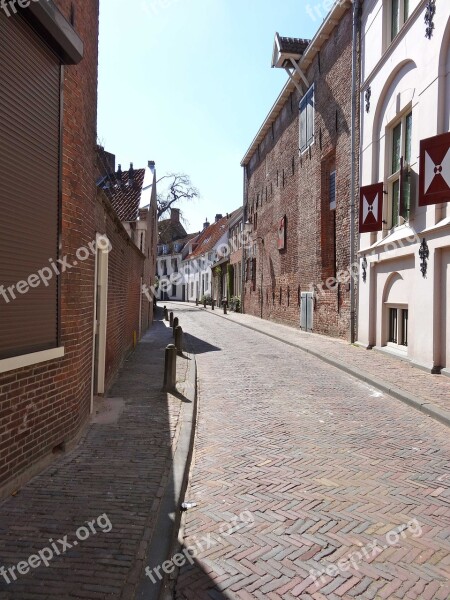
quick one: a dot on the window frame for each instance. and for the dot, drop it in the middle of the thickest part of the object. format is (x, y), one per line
(402, 16)
(401, 316)
(395, 177)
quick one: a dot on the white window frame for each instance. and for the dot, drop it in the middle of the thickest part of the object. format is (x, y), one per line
(396, 345)
(308, 142)
(401, 19)
(392, 178)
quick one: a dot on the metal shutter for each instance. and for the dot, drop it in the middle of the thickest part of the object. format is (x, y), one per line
(29, 186)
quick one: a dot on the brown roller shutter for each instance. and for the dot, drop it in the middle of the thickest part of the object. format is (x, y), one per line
(29, 187)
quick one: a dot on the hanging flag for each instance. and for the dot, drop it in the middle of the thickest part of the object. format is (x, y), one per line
(371, 208)
(434, 175)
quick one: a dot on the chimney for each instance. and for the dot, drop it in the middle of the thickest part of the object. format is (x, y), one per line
(206, 224)
(131, 175)
(143, 214)
(175, 215)
(218, 217)
(119, 175)
(151, 165)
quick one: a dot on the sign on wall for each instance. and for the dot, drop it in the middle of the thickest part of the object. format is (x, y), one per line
(434, 175)
(282, 234)
(371, 208)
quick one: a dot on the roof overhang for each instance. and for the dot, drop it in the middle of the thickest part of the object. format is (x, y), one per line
(339, 8)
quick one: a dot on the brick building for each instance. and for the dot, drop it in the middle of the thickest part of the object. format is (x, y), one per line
(126, 217)
(297, 177)
(51, 267)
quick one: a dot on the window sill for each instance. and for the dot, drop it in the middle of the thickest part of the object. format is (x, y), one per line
(26, 360)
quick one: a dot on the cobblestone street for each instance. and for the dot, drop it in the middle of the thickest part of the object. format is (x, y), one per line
(348, 488)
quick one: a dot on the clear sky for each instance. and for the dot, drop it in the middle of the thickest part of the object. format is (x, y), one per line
(188, 83)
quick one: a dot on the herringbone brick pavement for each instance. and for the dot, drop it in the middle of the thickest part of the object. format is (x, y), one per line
(334, 474)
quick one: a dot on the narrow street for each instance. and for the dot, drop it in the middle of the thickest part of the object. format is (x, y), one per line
(299, 468)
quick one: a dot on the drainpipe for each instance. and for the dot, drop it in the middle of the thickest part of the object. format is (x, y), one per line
(354, 122)
(244, 219)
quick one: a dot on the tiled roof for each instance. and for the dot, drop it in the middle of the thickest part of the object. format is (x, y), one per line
(169, 231)
(209, 238)
(293, 45)
(124, 198)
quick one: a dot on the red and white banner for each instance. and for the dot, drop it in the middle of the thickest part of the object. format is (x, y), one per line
(434, 175)
(371, 208)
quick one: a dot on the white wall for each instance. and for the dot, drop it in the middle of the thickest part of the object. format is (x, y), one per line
(411, 74)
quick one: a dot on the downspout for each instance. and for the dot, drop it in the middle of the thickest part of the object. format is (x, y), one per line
(244, 219)
(354, 149)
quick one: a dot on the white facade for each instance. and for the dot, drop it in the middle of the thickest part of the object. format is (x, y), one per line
(170, 286)
(408, 77)
(198, 270)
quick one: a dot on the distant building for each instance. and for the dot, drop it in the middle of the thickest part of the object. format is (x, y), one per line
(173, 247)
(206, 249)
(404, 256)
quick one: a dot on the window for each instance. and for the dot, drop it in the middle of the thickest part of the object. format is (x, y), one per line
(398, 326)
(399, 179)
(399, 13)
(174, 290)
(332, 190)
(307, 119)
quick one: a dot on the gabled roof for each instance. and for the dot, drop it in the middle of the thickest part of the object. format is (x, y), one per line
(169, 231)
(124, 197)
(209, 238)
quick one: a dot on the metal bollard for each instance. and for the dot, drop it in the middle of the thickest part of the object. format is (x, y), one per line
(170, 368)
(176, 322)
(196, 302)
(179, 340)
(225, 306)
(204, 303)
(212, 304)
(171, 319)
(166, 314)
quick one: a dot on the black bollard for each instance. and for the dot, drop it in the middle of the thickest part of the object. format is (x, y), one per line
(171, 319)
(179, 340)
(176, 322)
(170, 368)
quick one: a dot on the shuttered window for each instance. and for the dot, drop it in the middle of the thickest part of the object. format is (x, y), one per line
(29, 189)
(307, 119)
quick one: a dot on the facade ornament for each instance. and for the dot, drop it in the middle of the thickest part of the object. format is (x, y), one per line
(364, 268)
(424, 254)
(367, 95)
(430, 11)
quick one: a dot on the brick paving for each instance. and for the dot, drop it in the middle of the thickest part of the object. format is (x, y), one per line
(119, 469)
(393, 370)
(327, 467)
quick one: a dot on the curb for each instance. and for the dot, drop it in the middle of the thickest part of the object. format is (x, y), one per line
(168, 521)
(428, 408)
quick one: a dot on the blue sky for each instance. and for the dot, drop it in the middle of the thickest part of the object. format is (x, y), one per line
(188, 83)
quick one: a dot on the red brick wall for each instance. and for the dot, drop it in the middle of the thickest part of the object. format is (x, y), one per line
(125, 269)
(281, 182)
(46, 405)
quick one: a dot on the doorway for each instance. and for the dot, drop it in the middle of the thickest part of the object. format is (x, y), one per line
(100, 318)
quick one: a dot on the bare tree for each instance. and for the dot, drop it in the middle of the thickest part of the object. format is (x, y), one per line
(179, 188)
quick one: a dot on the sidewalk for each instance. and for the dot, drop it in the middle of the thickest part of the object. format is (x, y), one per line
(425, 392)
(120, 472)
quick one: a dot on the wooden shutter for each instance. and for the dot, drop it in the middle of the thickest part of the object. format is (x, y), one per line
(29, 187)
